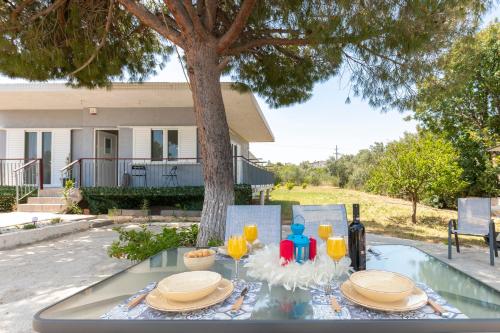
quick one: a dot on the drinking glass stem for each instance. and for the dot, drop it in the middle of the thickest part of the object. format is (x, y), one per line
(236, 270)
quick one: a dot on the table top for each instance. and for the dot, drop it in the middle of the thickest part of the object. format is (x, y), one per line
(83, 310)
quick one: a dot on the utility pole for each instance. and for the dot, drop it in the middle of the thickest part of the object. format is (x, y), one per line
(336, 153)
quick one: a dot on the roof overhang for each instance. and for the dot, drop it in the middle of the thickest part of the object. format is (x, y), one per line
(242, 110)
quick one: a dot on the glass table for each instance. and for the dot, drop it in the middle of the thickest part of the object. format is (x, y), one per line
(82, 311)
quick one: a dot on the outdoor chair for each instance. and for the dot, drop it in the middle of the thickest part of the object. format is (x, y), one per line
(139, 171)
(267, 218)
(474, 219)
(171, 176)
(314, 215)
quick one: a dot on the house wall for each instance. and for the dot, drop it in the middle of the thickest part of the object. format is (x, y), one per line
(74, 134)
(244, 146)
(2, 143)
(106, 117)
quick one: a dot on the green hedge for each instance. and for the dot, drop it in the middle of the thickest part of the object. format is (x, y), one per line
(7, 198)
(100, 199)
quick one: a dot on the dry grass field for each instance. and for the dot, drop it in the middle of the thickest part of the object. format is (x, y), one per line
(380, 214)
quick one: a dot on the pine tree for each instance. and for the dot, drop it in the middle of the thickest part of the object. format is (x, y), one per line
(278, 48)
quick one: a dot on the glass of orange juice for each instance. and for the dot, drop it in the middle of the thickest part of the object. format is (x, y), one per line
(250, 232)
(336, 249)
(236, 248)
(325, 231)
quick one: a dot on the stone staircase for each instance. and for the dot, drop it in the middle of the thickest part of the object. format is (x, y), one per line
(49, 200)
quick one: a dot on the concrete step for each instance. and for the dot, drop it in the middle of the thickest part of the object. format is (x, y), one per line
(47, 208)
(51, 192)
(46, 200)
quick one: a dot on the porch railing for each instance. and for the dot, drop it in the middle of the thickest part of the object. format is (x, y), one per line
(140, 172)
(28, 179)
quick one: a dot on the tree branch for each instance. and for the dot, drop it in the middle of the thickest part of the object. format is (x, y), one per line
(266, 41)
(107, 27)
(180, 15)
(197, 25)
(223, 63)
(20, 8)
(237, 27)
(150, 20)
(211, 9)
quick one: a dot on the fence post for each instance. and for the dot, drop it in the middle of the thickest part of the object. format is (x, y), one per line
(80, 163)
(40, 170)
(17, 189)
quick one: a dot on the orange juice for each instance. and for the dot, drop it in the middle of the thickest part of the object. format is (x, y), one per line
(250, 231)
(236, 247)
(336, 248)
(325, 231)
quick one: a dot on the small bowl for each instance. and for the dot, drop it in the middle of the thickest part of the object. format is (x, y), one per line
(189, 286)
(199, 263)
(382, 286)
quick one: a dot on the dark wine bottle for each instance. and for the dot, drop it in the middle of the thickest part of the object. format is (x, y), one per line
(357, 241)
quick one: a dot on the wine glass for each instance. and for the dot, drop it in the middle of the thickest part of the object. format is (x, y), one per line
(336, 249)
(250, 232)
(236, 248)
(325, 231)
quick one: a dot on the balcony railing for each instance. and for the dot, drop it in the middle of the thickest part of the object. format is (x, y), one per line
(137, 172)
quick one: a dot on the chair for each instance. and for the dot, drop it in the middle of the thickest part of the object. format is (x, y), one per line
(267, 219)
(474, 219)
(314, 215)
(171, 176)
(139, 171)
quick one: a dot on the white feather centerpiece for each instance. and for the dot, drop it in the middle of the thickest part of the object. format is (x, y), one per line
(266, 265)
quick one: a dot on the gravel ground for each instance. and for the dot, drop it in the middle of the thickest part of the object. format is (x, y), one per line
(34, 276)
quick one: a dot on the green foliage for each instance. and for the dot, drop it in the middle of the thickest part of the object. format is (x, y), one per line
(57, 44)
(55, 220)
(385, 45)
(290, 185)
(418, 166)
(72, 206)
(353, 171)
(215, 242)
(300, 174)
(141, 244)
(100, 199)
(462, 102)
(304, 186)
(7, 198)
(29, 226)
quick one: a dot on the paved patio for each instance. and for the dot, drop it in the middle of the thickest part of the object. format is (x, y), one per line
(17, 218)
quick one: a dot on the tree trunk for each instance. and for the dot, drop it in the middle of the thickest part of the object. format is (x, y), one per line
(213, 133)
(414, 200)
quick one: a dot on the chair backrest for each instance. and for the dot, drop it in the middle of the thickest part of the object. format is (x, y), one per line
(314, 215)
(267, 219)
(474, 215)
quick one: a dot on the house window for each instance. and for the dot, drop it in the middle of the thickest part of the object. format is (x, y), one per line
(173, 144)
(47, 157)
(156, 145)
(107, 146)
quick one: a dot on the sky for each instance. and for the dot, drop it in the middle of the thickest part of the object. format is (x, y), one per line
(312, 130)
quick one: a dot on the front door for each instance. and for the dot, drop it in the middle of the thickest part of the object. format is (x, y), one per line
(107, 154)
(39, 145)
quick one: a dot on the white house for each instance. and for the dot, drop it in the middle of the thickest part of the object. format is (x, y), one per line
(125, 135)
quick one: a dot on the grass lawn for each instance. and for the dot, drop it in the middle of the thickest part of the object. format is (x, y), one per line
(379, 214)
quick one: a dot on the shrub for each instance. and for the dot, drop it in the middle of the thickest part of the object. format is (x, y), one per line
(29, 226)
(7, 198)
(55, 220)
(290, 186)
(304, 185)
(141, 244)
(100, 199)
